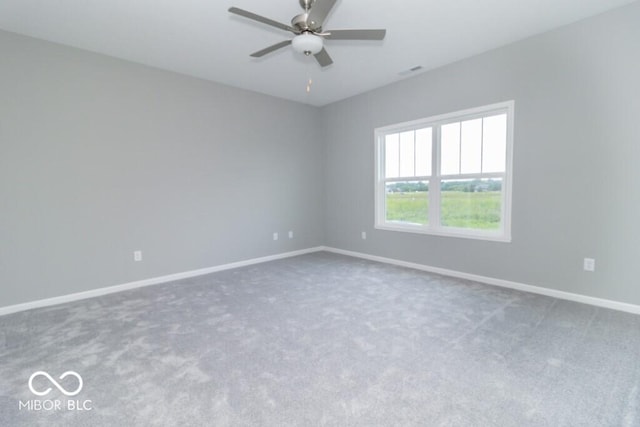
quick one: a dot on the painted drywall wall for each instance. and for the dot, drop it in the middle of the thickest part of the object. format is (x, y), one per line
(100, 157)
(576, 157)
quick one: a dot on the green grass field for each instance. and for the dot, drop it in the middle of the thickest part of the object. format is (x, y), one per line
(459, 209)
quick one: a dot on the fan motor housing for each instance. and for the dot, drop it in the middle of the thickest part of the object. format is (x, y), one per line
(302, 24)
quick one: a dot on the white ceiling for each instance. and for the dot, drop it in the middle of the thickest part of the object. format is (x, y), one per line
(200, 38)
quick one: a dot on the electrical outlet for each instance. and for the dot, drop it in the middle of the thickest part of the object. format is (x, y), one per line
(364, 235)
(589, 264)
(291, 234)
(137, 256)
(275, 236)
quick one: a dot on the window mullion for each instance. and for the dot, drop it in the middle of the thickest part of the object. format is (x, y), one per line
(434, 184)
(399, 156)
(381, 205)
(460, 148)
(481, 145)
(414, 152)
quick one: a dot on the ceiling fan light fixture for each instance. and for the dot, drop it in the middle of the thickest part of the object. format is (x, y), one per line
(307, 43)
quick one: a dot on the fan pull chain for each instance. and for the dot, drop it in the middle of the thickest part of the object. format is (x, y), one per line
(309, 83)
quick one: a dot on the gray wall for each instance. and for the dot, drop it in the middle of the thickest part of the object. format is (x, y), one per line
(100, 157)
(576, 159)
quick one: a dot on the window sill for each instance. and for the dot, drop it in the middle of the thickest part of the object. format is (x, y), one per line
(446, 232)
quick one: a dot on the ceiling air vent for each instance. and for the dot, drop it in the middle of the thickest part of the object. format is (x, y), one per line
(410, 70)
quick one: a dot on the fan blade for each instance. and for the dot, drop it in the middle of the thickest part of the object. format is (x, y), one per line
(323, 58)
(319, 11)
(356, 34)
(270, 49)
(262, 19)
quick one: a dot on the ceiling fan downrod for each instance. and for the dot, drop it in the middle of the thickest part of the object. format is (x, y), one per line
(306, 4)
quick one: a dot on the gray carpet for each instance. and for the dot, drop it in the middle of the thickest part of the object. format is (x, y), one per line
(323, 339)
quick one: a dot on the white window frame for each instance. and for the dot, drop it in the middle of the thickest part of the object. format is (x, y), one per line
(503, 234)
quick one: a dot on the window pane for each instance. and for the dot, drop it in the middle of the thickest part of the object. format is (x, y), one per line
(471, 147)
(407, 154)
(392, 155)
(450, 147)
(423, 151)
(407, 202)
(494, 143)
(471, 203)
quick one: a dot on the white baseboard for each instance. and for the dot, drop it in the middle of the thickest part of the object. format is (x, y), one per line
(147, 282)
(599, 302)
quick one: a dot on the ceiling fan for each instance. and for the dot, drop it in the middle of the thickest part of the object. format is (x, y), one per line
(308, 29)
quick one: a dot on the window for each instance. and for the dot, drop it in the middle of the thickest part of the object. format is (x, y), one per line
(447, 175)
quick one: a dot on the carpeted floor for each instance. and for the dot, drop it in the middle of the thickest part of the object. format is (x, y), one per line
(322, 339)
